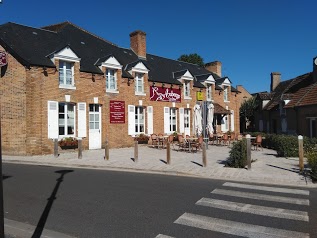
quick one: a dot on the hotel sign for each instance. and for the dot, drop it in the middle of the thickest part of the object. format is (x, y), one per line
(3, 58)
(117, 112)
(165, 94)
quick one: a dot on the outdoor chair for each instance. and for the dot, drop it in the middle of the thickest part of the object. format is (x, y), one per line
(258, 142)
(154, 140)
(181, 143)
(232, 138)
(198, 144)
(225, 139)
(170, 139)
(212, 139)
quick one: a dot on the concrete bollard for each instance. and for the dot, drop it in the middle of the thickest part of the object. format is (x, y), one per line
(248, 138)
(136, 152)
(106, 150)
(168, 152)
(80, 148)
(301, 152)
(55, 148)
(204, 154)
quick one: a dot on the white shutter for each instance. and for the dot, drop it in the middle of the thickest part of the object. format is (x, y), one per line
(52, 119)
(181, 120)
(232, 120)
(131, 119)
(82, 119)
(150, 120)
(166, 120)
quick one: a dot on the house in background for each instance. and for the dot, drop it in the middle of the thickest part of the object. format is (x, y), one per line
(63, 81)
(290, 107)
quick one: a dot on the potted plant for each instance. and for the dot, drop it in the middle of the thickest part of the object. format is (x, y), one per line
(175, 134)
(68, 143)
(142, 139)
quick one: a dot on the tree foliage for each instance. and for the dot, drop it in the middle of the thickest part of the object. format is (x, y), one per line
(248, 108)
(192, 58)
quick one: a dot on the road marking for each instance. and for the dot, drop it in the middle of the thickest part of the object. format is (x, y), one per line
(259, 196)
(254, 209)
(235, 228)
(266, 188)
(163, 236)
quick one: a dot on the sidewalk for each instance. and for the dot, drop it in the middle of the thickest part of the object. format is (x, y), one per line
(267, 168)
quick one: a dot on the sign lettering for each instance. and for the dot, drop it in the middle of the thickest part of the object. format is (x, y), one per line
(117, 112)
(165, 94)
(3, 58)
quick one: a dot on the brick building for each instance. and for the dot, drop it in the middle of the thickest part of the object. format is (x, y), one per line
(62, 81)
(291, 105)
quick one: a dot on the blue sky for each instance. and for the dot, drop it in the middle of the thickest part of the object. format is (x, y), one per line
(251, 38)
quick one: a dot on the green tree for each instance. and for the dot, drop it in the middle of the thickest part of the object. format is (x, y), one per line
(247, 111)
(192, 58)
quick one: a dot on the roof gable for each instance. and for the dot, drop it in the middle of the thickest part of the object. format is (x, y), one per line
(66, 54)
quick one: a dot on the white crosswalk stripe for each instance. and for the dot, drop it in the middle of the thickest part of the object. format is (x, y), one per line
(266, 188)
(235, 228)
(259, 196)
(163, 236)
(254, 209)
(232, 227)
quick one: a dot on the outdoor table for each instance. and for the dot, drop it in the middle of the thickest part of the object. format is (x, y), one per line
(189, 140)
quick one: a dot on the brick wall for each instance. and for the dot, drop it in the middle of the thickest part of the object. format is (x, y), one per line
(13, 107)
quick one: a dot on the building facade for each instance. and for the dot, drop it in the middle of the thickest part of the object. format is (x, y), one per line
(61, 81)
(291, 105)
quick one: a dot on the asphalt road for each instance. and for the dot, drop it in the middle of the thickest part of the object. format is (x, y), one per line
(96, 203)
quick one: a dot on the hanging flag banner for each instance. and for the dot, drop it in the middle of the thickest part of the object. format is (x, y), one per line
(3, 58)
(165, 94)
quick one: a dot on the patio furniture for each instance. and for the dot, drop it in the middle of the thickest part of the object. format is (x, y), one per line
(154, 140)
(258, 142)
(198, 144)
(225, 139)
(182, 144)
(190, 141)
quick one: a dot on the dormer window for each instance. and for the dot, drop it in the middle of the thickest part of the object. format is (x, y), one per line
(66, 73)
(209, 92)
(111, 80)
(139, 83)
(225, 94)
(187, 89)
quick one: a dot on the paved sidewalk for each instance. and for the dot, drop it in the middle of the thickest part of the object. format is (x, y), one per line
(267, 168)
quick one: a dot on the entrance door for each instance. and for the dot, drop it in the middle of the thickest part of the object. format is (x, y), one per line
(187, 121)
(94, 126)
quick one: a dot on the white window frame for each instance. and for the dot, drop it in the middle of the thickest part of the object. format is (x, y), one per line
(209, 96)
(139, 79)
(110, 76)
(186, 118)
(172, 123)
(138, 122)
(225, 93)
(186, 86)
(62, 67)
(66, 120)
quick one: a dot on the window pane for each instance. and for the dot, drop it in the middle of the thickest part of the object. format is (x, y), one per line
(96, 117)
(91, 107)
(91, 125)
(96, 108)
(61, 107)
(96, 125)
(61, 131)
(91, 117)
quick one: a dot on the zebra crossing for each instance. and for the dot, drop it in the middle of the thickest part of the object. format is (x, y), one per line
(241, 199)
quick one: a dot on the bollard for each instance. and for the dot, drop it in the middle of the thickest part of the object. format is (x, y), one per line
(55, 148)
(136, 153)
(301, 153)
(80, 148)
(204, 154)
(168, 152)
(248, 138)
(106, 150)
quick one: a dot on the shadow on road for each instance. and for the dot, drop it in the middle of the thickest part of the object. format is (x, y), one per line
(197, 163)
(41, 224)
(5, 177)
(291, 170)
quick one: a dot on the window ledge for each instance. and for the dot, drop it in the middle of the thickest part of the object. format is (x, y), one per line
(67, 86)
(112, 91)
(140, 94)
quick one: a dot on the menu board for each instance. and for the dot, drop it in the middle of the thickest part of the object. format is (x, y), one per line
(117, 112)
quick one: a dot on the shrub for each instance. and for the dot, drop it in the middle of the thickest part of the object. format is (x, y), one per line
(142, 138)
(312, 162)
(238, 155)
(68, 141)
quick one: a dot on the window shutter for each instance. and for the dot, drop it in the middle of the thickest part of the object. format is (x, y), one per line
(131, 119)
(150, 120)
(82, 120)
(232, 120)
(166, 120)
(52, 116)
(181, 120)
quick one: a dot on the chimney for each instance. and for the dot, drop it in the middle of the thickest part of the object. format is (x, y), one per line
(138, 43)
(315, 69)
(275, 80)
(214, 67)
